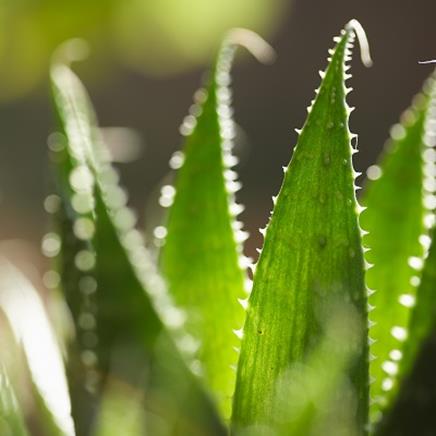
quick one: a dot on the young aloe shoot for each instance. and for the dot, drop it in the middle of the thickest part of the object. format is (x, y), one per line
(202, 257)
(311, 262)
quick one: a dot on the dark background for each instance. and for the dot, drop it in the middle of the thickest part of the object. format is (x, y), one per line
(269, 101)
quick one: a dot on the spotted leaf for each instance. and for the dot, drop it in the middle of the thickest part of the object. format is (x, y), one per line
(311, 260)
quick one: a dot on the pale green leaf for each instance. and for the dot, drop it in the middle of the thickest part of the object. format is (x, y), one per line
(312, 257)
(11, 417)
(30, 326)
(202, 258)
(123, 298)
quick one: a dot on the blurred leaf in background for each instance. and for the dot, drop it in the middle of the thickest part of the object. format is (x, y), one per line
(152, 36)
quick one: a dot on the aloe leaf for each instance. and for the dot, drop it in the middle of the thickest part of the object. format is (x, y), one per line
(11, 417)
(311, 256)
(315, 397)
(72, 210)
(396, 197)
(422, 321)
(421, 324)
(131, 312)
(202, 258)
(406, 394)
(30, 326)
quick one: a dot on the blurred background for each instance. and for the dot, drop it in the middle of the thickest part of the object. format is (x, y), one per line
(147, 57)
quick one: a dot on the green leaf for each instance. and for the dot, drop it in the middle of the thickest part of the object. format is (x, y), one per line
(25, 312)
(123, 298)
(11, 417)
(312, 257)
(421, 326)
(322, 399)
(422, 321)
(72, 208)
(394, 219)
(77, 287)
(202, 258)
(405, 390)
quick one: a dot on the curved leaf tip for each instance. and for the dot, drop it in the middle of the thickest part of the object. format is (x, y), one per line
(202, 255)
(312, 255)
(72, 50)
(253, 42)
(355, 26)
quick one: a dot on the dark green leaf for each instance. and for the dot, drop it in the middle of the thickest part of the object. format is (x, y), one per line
(315, 397)
(311, 258)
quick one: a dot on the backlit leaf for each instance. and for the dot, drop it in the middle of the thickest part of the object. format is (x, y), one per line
(397, 198)
(404, 387)
(311, 259)
(11, 417)
(24, 310)
(315, 397)
(128, 299)
(202, 258)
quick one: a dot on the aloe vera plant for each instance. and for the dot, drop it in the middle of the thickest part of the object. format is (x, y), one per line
(319, 342)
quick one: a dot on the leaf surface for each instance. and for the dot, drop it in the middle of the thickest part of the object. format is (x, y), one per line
(129, 300)
(407, 385)
(322, 399)
(311, 258)
(11, 417)
(24, 310)
(394, 218)
(202, 258)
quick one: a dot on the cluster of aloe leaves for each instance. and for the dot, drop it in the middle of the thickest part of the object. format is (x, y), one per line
(317, 338)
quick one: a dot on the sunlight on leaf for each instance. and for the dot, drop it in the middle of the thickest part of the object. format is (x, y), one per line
(322, 398)
(28, 320)
(11, 417)
(133, 314)
(202, 256)
(422, 325)
(312, 253)
(399, 195)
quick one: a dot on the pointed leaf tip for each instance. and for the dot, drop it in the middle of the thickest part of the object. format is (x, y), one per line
(201, 259)
(309, 264)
